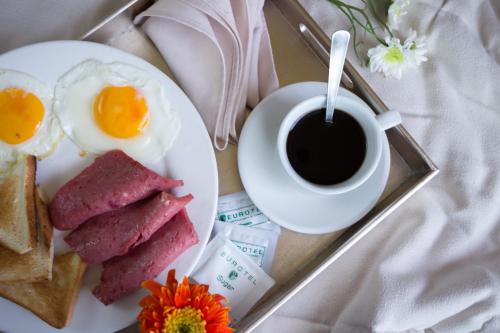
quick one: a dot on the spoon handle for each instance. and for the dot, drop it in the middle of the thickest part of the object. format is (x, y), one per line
(338, 51)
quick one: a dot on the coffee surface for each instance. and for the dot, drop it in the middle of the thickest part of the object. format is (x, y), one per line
(326, 154)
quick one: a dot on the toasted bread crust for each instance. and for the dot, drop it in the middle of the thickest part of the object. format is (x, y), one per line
(52, 301)
(56, 322)
(29, 191)
(42, 213)
(74, 291)
(36, 265)
(18, 218)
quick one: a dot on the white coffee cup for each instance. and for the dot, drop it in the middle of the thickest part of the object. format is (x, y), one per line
(373, 126)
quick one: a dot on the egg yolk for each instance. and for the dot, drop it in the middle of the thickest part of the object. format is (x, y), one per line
(121, 112)
(21, 114)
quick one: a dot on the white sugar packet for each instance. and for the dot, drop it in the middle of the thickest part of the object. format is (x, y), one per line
(249, 229)
(258, 244)
(229, 272)
(237, 208)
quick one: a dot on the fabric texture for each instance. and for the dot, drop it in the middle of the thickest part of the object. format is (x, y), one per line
(30, 21)
(433, 265)
(221, 55)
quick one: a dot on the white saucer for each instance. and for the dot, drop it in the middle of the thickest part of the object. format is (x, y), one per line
(276, 194)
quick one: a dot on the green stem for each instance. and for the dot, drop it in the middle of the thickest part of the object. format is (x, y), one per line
(352, 13)
(378, 18)
(354, 32)
(368, 27)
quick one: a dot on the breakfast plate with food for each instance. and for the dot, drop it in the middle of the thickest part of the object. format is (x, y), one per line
(107, 178)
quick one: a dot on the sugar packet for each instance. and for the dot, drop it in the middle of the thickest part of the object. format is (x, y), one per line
(249, 229)
(258, 244)
(238, 208)
(229, 272)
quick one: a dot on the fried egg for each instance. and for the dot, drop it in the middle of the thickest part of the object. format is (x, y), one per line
(105, 106)
(27, 123)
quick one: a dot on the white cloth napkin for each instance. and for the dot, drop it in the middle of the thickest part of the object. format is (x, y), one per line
(220, 53)
(435, 264)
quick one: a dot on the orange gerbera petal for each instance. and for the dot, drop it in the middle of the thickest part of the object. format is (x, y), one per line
(176, 305)
(183, 294)
(149, 301)
(171, 280)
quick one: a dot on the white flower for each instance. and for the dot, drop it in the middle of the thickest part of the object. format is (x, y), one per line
(415, 49)
(396, 10)
(390, 60)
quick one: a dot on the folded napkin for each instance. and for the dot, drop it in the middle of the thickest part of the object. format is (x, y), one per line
(219, 52)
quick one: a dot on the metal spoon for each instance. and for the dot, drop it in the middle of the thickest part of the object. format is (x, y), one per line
(338, 50)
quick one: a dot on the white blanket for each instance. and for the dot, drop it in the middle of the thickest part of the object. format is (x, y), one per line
(435, 263)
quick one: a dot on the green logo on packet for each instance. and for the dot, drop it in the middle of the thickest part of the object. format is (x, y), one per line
(233, 275)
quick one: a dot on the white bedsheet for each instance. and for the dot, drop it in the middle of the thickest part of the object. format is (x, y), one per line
(435, 263)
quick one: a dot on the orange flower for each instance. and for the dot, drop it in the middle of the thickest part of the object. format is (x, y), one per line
(182, 308)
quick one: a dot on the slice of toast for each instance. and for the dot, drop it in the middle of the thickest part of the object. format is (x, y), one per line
(17, 206)
(52, 300)
(36, 264)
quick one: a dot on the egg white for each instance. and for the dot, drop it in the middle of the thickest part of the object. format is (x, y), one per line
(48, 134)
(74, 98)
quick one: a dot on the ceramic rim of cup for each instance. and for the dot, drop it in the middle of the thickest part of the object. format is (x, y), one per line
(365, 118)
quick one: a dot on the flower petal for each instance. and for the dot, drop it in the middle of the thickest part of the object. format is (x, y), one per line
(167, 300)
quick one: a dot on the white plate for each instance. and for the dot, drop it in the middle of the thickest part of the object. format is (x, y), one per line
(191, 158)
(279, 196)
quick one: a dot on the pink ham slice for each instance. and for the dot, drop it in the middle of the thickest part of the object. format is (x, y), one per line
(123, 275)
(114, 233)
(113, 181)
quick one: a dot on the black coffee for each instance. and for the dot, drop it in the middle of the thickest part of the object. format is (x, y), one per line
(326, 154)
